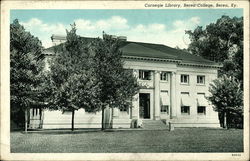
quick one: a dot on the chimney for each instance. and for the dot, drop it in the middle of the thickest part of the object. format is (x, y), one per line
(113, 36)
(58, 39)
(122, 38)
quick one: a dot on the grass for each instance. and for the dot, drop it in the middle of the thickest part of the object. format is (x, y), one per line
(129, 141)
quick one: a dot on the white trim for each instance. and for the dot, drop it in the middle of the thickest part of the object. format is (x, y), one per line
(178, 61)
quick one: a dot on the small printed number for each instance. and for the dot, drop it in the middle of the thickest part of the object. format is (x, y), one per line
(236, 155)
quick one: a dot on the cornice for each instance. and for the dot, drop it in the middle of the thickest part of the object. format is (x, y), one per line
(179, 62)
(151, 59)
(200, 65)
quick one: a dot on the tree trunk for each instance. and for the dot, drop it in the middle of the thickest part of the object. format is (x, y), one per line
(225, 120)
(112, 115)
(103, 118)
(72, 120)
(221, 118)
(26, 120)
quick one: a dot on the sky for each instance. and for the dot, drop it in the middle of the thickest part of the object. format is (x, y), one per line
(160, 26)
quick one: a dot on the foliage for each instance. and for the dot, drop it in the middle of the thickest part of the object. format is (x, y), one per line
(221, 42)
(72, 80)
(218, 41)
(26, 75)
(234, 67)
(226, 96)
(117, 85)
(238, 60)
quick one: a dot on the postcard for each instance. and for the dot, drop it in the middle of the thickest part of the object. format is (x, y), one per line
(125, 80)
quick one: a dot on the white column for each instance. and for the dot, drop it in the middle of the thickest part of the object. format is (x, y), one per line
(157, 96)
(173, 107)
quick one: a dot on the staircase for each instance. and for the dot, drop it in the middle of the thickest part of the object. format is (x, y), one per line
(154, 125)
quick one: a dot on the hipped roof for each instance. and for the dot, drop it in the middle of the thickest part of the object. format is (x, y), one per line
(153, 51)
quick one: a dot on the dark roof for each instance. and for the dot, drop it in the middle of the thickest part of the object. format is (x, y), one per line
(138, 50)
(149, 50)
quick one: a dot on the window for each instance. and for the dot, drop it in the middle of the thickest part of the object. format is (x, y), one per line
(164, 109)
(201, 110)
(184, 79)
(164, 76)
(164, 101)
(124, 108)
(36, 111)
(145, 75)
(201, 79)
(185, 110)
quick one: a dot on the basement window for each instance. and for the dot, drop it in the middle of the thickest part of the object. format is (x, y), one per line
(185, 110)
(164, 109)
(124, 108)
(201, 110)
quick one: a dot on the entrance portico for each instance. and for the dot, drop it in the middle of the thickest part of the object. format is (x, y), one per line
(149, 99)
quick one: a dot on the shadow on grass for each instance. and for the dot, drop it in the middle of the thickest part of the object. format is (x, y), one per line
(222, 129)
(98, 130)
(82, 131)
(62, 131)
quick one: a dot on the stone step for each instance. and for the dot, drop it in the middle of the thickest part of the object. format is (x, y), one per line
(154, 125)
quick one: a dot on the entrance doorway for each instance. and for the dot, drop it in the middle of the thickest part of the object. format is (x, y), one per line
(144, 102)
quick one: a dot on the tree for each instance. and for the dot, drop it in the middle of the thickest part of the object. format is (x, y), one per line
(227, 98)
(25, 72)
(221, 42)
(218, 41)
(117, 85)
(73, 82)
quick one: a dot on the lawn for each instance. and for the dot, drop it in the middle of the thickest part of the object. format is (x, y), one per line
(129, 141)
